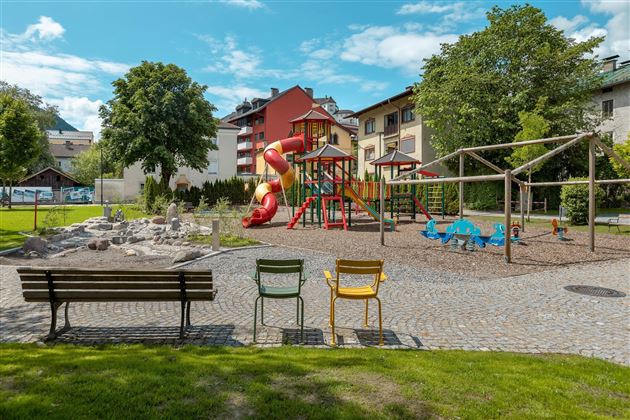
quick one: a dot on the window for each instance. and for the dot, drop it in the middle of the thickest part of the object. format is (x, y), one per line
(213, 167)
(369, 153)
(408, 144)
(259, 136)
(58, 178)
(259, 120)
(141, 188)
(214, 141)
(370, 126)
(407, 114)
(59, 164)
(607, 108)
(334, 139)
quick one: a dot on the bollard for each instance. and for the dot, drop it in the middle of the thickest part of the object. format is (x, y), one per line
(216, 237)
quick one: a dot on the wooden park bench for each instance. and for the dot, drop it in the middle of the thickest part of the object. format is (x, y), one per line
(64, 285)
(621, 220)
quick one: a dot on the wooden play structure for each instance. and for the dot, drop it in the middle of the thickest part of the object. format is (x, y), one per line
(509, 176)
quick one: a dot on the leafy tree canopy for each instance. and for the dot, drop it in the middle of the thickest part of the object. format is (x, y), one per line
(533, 126)
(472, 92)
(86, 166)
(20, 138)
(45, 116)
(623, 150)
(159, 116)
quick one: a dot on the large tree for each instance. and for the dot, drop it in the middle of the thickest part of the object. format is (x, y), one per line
(20, 139)
(160, 117)
(471, 93)
(86, 166)
(45, 116)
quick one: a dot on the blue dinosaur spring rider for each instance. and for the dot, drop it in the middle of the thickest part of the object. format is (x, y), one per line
(463, 232)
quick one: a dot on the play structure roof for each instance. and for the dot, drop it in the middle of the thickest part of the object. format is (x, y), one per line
(311, 115)
(328, 152)
(395, 158)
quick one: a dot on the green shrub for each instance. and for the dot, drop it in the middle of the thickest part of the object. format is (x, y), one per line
(451, 199)
(574, 198)
(483, 195)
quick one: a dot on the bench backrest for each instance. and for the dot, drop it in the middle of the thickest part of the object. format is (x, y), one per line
(85, 285)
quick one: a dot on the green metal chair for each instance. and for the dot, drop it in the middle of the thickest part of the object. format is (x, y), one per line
(284, 292)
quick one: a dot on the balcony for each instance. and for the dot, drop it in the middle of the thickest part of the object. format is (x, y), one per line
(246, 145)
(244, 160)
(391, 130)
(245, 131)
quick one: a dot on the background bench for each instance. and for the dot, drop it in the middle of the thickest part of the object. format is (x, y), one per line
(59, 285)
(621, 220)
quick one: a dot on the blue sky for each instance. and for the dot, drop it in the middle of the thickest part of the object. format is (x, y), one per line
(356, 51)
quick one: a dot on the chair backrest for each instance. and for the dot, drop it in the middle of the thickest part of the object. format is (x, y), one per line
(280, 267)
(372, 268)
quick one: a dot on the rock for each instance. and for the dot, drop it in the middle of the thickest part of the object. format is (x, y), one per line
(186, 243)
(158, 220)
(177, 243)
(120, 226)
(99, 244)
(100, 226)
(33, 254)
(144, 220)
(130, 253)
(156, 238)
(117, 240)
(156, 227)
(35, 243)
(175, 223)
(133, 239)
(171, 212)
(186, 255)
(168, 242)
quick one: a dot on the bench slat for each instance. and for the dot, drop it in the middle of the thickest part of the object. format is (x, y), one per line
(117, 296)
(101, 285)
(156, 272)
(121, 277)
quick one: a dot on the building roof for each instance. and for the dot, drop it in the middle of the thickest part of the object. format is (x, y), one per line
(325, 100)
(616, 77)
(70, 135)
(234, 116)
(312, 115)
(345, 111)
(228, 126)
(395, 158)
(327, 152)
(52, 168)
(67, 150)
(407, 92)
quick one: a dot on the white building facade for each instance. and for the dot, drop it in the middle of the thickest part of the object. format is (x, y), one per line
(613, 99)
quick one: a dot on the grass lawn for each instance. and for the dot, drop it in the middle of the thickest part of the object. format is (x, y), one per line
(228, 241)
(20, 219)
(134, 381)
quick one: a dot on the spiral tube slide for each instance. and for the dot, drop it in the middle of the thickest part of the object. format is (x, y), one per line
(265, 192)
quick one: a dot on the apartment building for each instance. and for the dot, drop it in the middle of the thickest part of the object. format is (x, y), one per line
(392, 124)
(265, 120)
(66, 144)
(613, 98)
(221, 165)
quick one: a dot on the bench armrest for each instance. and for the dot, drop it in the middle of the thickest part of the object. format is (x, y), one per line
(613, 220)
(383, 277)
(254, 276)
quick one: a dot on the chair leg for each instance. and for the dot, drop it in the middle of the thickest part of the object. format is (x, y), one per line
(262, 310)
(188, 314)
(332, 321)
(380, 323)
(331, 313)
(255, 314)
(298, 310)
(302, 321)
(366, 312)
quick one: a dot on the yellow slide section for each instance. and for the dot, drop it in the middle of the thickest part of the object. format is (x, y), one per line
(351, 194)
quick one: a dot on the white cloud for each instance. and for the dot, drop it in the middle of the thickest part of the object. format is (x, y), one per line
(45, 29)
(451, 13)
(618, 36)
(427, 7)
(245, 4)
(81, 112)
(391, 47)
(225, 98)
(568, 25)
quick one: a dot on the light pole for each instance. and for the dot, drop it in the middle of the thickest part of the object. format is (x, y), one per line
(101, 150)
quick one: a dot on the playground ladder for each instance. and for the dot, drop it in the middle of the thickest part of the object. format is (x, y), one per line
(434, 198)
(300, 211)
(328, 224)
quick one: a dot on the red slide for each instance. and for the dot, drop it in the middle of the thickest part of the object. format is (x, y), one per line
(265, 192)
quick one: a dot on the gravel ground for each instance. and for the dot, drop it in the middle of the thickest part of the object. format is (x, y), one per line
(539, 250)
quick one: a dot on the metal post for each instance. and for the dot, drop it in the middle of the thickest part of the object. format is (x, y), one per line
(522, 196)
(101, 149)
(508, 216)
(591, 194)
(461, 187)
(216, 237)
(35, 219)
(382, 201)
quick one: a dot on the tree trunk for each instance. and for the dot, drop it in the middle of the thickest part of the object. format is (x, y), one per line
(4, 191)
(165, 179)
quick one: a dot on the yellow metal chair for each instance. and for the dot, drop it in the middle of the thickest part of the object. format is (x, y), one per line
(373, 268)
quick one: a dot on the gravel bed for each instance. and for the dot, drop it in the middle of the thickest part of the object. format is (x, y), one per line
(539, 250)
